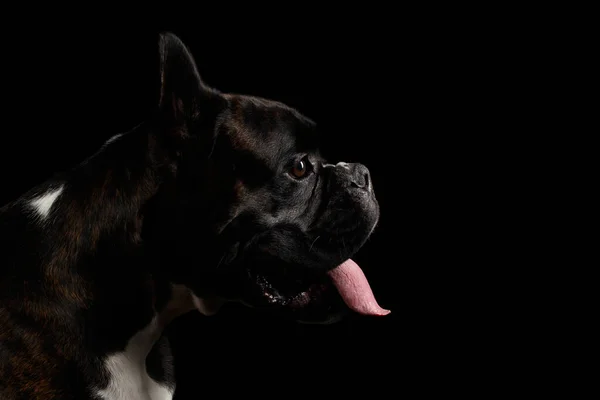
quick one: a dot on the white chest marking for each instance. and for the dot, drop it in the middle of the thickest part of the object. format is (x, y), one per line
(127, 370)
(43, 203)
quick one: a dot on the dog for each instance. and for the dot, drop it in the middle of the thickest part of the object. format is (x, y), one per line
(217, 197)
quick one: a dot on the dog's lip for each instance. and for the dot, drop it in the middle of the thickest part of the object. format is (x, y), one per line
(313, 293)
(297, 294)
(293, 294)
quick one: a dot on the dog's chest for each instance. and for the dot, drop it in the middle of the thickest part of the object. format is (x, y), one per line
(128, 377)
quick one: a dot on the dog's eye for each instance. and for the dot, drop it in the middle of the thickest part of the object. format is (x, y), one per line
(300, 168)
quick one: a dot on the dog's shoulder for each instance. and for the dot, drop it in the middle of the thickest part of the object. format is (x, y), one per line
(33, 342)
(58, 268)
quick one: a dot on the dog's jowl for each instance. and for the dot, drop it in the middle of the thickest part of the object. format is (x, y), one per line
(216, 198)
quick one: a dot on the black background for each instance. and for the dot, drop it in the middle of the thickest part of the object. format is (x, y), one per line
(394, 96)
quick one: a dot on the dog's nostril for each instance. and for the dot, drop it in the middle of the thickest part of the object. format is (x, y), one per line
(360, 177)
(361, 181)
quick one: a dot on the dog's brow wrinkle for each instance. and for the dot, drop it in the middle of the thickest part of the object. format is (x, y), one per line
(43, 203)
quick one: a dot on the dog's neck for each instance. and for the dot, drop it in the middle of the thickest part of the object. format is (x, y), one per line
(113, 185)
(92, 217)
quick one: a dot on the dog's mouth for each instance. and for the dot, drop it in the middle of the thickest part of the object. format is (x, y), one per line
(319, 298)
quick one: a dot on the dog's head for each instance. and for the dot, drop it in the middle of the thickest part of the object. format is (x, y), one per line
(254, 213)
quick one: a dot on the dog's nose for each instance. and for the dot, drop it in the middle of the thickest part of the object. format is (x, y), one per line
(360, 177)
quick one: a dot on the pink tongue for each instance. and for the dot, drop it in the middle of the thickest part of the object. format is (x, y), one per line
(354, 288)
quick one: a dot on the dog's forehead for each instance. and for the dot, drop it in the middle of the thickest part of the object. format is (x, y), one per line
(260, 125)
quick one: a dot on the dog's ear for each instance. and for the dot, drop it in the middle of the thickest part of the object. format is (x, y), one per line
(183, 94)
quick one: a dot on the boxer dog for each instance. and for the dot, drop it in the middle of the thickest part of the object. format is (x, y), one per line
(218, 197)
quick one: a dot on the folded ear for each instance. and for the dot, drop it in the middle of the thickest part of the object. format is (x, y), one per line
(182, 92)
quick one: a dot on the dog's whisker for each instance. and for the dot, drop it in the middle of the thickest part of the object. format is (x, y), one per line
(221, 260)
(313, 243)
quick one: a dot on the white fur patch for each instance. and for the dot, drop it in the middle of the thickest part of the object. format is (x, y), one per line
(43, 203)
(127, 370)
